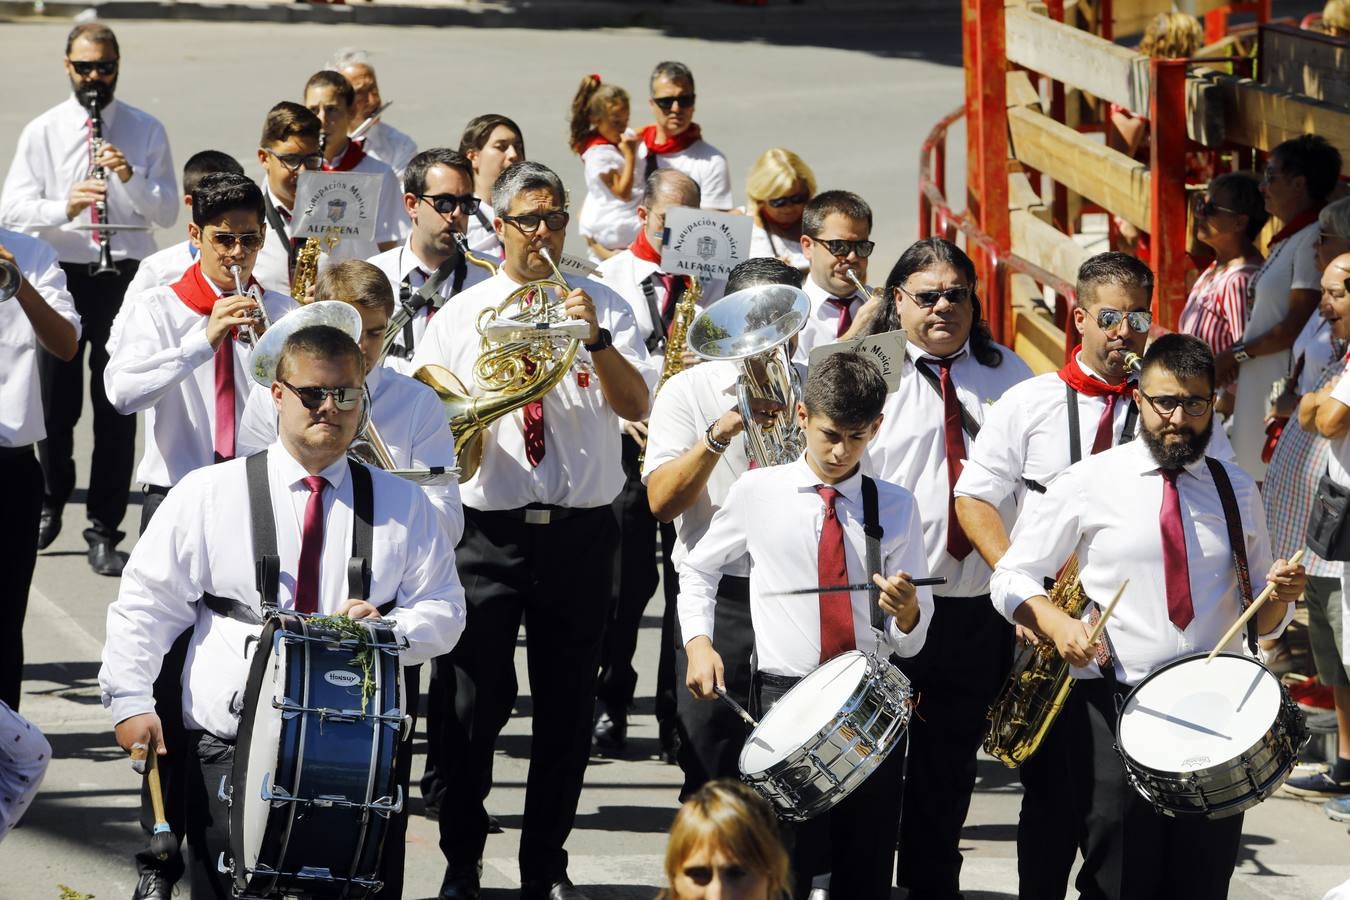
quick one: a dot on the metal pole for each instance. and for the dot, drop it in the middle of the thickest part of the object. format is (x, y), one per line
(984, 44)
(1167, 169)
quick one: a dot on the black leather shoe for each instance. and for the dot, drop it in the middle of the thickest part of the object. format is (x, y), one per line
(458, 886)
(670, 742)
(104, 558)
(49, 526)
(610, 733)
(562, 889)
(153, 886)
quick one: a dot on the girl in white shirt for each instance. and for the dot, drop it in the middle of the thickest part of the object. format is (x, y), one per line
(608, 151)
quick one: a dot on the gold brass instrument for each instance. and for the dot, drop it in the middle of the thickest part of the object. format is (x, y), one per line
(1135, 362)
(753, 328)
(677, 340)
(11, 279)
(249, 334)
(481, 262)
(92, 98)
(306, 267)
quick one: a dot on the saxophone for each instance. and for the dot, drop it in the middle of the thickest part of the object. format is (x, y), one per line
(677, 339)
(306, 267)
(1037, 686)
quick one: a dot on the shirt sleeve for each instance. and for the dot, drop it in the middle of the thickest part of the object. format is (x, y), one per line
(1042, 539)
(601, 160)
(140, 368)
(997, 457)
(25, 204)
(152, 188)
(723, 543)
(672, 429)
(49, 279)
(715, 189)
(434, 445)
(429, 610)
(1233, 303)
(910, 556)
(623, 330)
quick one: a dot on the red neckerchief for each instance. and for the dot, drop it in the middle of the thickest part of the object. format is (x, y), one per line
(349, 158)
(1073, 375)
(595, 140)
(196, 292)
(675, 144)
(1297, 224)
(643, 249)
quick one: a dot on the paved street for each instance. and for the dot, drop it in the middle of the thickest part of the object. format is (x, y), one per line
(854, 102)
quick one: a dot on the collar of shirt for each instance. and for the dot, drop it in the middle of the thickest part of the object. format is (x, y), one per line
(1146, 464)
(376, 382)
(819, 296)
(408, 261)
(277, 204)
(916, 353)
(807, 481)
(108, 113)
(293, 474)
(1088, 370)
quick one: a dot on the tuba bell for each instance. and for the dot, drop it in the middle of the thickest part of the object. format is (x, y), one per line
(752, 328)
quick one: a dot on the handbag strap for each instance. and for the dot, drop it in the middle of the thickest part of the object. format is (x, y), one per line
(1235, 539)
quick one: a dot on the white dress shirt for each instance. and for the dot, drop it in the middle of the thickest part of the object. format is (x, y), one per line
(605, 218)
(911, 451)
(581, 467)
(410, 420)
(684, 408)
(702, 162)
(21, 421)
(400, 263)
(1106, 509)
(160, 363)
(198, 543)
(822, 325)
(272, 266)
(775, 515)
(390, 146)
(162, 267)
(763, 244)
(53, 154)
(1025, 435)
(482, 238)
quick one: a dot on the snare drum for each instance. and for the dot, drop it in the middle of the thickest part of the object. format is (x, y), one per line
(827, 734)
(313, 783)
(1210, 739)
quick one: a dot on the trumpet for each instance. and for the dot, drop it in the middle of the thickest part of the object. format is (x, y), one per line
(1135, 362)
(11, 279)
(91, 98)
(867, 292)
(249, 334)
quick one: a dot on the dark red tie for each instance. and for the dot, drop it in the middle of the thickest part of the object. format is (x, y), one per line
(845, 317)
(1106, 426)
(534, 426)
(836, 609)
(668, 283)
(311, 548)
(958, 545)
(224, 436)
(1176, 570)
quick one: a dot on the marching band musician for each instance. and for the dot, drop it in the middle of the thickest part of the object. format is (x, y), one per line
(289, 143)
(381, 140)
(836, 226)
(687, 480)
(492, 142)
(54, 184)
(635, 274)
(429, 268)
(801, 524)
(675, 141)
(1183, 593)
(953, 369)
(190, 571)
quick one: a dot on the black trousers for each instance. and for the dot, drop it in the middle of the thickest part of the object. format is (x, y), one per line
(21, 486)
(97, 299)
(667, 688)
(956, 676)
(854, 841)
(711, 734)
(557, 578)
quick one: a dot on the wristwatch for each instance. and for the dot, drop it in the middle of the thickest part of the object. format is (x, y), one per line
(1240, 352)
(603, 342)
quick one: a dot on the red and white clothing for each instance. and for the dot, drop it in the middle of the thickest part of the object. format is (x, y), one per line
(162, 267)
(606, 218)
(830, 317)
(1216, 310)
(693, 156)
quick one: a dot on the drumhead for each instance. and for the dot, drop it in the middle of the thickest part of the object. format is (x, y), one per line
(803, 711)
(1192, 715)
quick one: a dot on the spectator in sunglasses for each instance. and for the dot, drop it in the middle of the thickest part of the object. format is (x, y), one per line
(777, 190)
(836, 226)
(675, 141)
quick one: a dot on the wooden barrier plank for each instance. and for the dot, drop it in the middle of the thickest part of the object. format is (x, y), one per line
(1078, 59)
(1105, 176)
(1133, 17)
(1262, 116)
(1306, 62)
(1037, 341)
(1021, 92)
(1022, 196)
(1044, 245)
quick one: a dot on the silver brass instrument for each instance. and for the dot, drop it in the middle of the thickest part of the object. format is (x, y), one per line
(91, 98)
(867, 292)
(11, 279)
(249, 334)
(753, 328)
(369, 122)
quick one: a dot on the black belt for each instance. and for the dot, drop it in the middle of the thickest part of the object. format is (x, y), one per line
(15, 452)
(157, 489)
(778, 682)
(984, 598)
(541, 513)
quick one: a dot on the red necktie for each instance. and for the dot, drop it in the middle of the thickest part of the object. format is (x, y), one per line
(311, 548)
(667, 284)
(958, 545)
(1105, 426)
(534, 425)
(224, 436)
(845, 317)
(1176, 571)
(836, 609)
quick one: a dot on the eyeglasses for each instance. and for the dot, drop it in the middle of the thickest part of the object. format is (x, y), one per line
(85, 68)
(665, 103)
(530, 222)
(927, 299)
(312, 398)
(1166, 405)
(794, 200)
(292, 161)
(1206, 207)
(224, 241)
(842, 248)
(1139, 320)
(446, 204)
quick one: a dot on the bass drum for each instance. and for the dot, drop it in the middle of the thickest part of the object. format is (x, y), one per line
(313, 783)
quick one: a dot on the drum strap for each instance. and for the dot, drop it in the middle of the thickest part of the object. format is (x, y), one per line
(873, 532)
(1075, 436)
(1235, 539)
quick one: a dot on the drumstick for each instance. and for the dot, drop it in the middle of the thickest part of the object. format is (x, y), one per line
(162, 842)
(1106, 613)
(1250, 611)
(740, 710)
(860, 586)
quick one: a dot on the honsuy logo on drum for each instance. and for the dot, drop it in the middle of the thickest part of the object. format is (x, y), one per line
(341, 678)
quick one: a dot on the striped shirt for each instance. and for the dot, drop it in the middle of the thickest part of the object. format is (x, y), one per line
(1216, 310)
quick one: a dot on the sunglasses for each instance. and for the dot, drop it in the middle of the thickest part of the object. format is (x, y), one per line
(1139, 321)
(312, 398)
(794, 200)
(842, 248)
(224, 241)
(666, 103)
(530, 222)
(953, 295)
(446, 204)
(1206, 207)
(1166, 405)
(292, 161)
(85, 68)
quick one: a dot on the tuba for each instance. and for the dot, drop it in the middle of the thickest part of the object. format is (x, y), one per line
(526, 347)
(752, 328)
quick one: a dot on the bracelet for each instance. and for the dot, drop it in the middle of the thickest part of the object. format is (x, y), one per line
(712, 443)
(1240, 352)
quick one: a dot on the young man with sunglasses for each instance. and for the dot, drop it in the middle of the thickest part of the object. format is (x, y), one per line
(539, 543)
(836, 226)
(429, 268)
(676, 142)
(1154, 512)
(289, 145)
(51, 192)
(1029, 438)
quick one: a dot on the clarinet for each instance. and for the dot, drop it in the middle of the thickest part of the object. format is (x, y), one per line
(104, 266)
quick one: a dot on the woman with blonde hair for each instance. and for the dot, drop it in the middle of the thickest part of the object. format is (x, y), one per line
(725, 845)
(777, 190)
